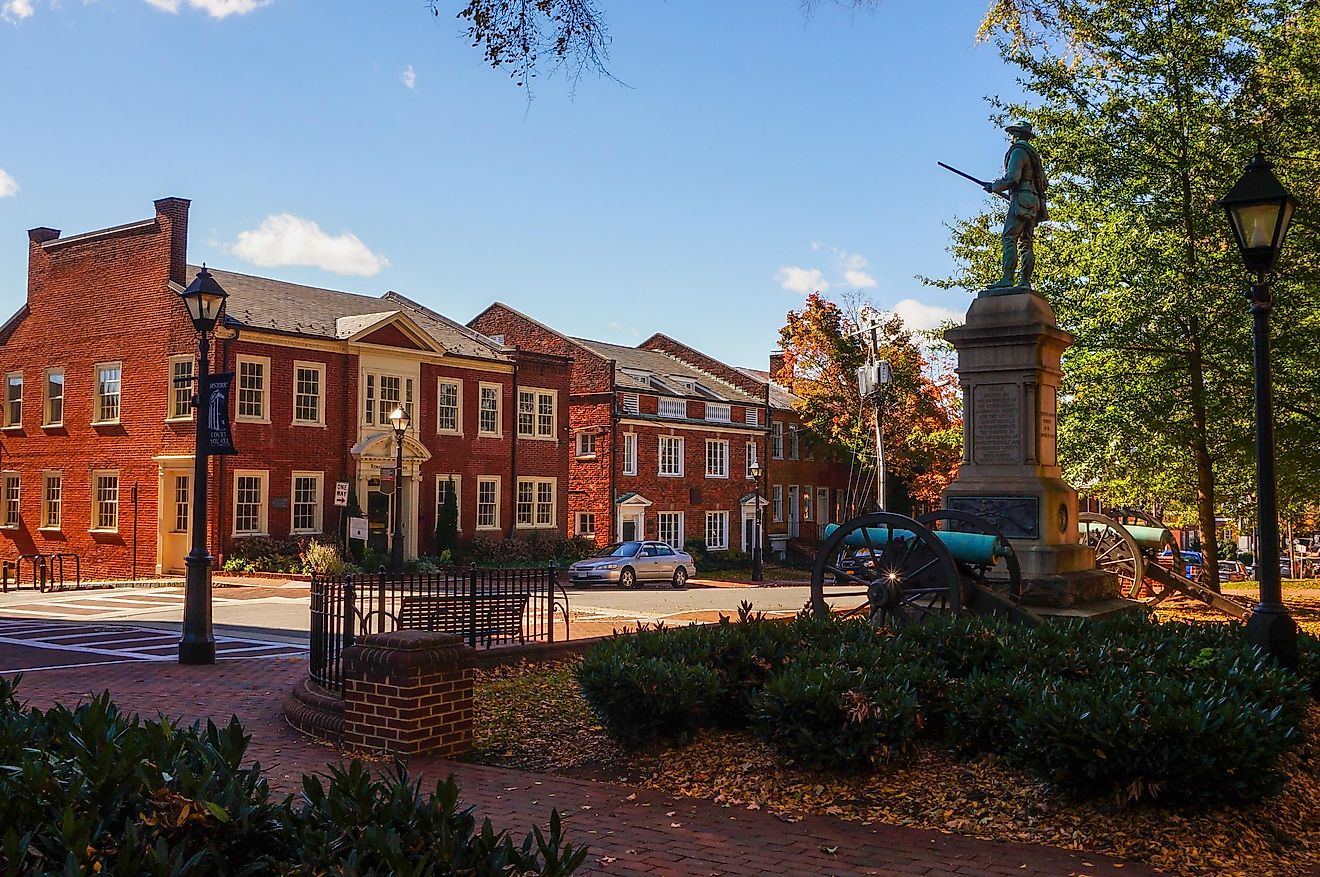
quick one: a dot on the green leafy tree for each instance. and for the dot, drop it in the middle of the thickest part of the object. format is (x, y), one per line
(446, 522)
(1149, 111)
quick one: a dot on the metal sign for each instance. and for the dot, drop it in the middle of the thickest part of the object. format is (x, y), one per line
(341, 493)
(219, 440)
(357, 528)
(386, 480)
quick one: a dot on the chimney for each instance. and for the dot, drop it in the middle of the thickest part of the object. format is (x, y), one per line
(42, 234)
(175, 212)
(776, 363)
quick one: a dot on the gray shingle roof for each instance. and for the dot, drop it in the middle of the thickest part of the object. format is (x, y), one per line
(662, 369)
(279, 306)
(780, 397)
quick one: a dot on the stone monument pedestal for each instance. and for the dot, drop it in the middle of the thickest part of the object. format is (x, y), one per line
(1008, 363)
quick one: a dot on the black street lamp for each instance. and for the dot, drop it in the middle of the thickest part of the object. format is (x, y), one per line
(204, 298)
(1259, 209)
(399, 419)
(755, 470)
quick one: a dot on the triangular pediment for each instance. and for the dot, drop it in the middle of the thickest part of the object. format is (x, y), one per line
(388, 329)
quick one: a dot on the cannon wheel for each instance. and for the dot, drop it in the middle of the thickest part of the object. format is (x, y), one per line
(974, 524)
(1115, 551)
(900, 581)
(1152, 590)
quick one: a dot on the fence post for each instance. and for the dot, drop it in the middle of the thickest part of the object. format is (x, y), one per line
(553, 574)
(472, 605)
(350, 595)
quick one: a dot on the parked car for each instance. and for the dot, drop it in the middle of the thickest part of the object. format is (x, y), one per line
(1232, 571)
(627, 563)
(1192, 562)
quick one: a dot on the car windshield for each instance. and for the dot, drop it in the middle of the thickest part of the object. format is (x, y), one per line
(619, 549)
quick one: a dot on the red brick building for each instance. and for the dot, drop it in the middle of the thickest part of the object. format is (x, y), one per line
(97, 436)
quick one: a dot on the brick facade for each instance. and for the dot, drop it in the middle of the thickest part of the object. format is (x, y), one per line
(109, 299)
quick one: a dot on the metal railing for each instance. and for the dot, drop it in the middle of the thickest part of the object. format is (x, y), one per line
(45, 572)
(487, 607)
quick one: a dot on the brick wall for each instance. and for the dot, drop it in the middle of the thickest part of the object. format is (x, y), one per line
(590, 373)
(803, 472)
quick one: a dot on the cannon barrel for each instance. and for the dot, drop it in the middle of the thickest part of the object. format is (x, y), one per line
(965, 547)
(1146, 537)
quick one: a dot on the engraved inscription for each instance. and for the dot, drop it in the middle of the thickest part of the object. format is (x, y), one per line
(997, 424)
(1017, 516)
(1049, 445)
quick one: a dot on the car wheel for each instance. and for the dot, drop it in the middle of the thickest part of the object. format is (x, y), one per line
(628, 578)
(680, 577)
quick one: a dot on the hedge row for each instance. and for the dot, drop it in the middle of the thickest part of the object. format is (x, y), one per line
(1170, 711)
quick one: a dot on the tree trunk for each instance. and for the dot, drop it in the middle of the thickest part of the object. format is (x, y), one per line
(1205, 474)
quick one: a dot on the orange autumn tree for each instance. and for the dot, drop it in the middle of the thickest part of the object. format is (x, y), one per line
(922, 427)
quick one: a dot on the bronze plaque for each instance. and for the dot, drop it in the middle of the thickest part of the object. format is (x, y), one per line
(997, 424)
(1017, 516)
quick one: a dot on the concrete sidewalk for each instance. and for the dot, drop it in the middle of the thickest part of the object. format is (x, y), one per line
(630, 831)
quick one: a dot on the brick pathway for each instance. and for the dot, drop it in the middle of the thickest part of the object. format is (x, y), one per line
(630, 831)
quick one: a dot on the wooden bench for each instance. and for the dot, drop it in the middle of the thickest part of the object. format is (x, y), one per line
(497, 615)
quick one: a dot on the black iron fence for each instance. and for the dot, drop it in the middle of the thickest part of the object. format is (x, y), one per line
(487, 607)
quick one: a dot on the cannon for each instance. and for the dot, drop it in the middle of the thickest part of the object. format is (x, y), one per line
(1130, 544)
(897, 570)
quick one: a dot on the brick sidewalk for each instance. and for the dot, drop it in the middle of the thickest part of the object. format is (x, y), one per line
(630, 831)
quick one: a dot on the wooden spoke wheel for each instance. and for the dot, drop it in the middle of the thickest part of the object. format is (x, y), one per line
(987, 575)
(889, 567)
(1115, 552)
(1153, 590)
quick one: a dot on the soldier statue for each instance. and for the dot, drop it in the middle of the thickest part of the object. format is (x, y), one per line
(1023, 183)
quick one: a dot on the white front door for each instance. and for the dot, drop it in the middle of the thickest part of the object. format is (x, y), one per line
(631, 525)
(176, 519)
(794, 510)
(748, 528)
(822, 507)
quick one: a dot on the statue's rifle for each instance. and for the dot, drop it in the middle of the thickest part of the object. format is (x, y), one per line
(982, 183)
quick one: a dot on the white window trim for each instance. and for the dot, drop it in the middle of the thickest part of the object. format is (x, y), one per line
(629, 470)
(318, 367)
(476, 502)
(682, 455)
(458, 413)
(45, 398)
(22, 391)
(320, 502)
(536, 434)
(750, 457)
(809, 491)
(632, 403)
(672, 402)
(4, 500)
(752, 417)
(725, 534)
(96, 393)
(682, 529)
(458, 496)
(97, 474)
(719, 408)
(777, 491)
(46, 475)
(725, 443)
(377, 377)
(777, 440)
(578, 439)
(263, 512)
(536, 489)
(170, 416)
(577, 524)
(499, 410)
(264, 362)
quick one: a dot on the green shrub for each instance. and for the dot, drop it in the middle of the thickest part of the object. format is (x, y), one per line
(323, 558)
(713, 561)
(93, 790)
(264, 554)
(1308, 661)
(641, 699)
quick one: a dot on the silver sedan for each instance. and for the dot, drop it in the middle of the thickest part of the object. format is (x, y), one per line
(627, 563)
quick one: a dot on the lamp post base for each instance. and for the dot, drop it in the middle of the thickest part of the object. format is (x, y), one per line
(197, 646)
(197, 653)
(1272, 630)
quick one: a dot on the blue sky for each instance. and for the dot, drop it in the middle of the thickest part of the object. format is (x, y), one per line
(752, 153)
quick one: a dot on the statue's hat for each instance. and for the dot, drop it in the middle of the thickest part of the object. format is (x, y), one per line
(1022, 129)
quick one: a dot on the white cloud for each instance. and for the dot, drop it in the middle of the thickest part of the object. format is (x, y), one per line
(409, 77)
(854, 271)
(17, 9)
(213, 8)
(801, 280)
(285, 239)
(8, 185)
(919, 316)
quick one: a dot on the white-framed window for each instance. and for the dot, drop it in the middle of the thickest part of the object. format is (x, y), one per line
(13, 399)
(717, 458)
(382, 393)
(488, 502)
(671, 528)
(793, 444)
(182, 502)
(443, 484)
(751, 458)
(449, 406)
(673, 407)
(309, 394)
(777, 503)
(249, 502)
(181, 387)
(9, 519)
(53, 414)
(253, 389)
(630, 453)
(777, 440)
(671, 456)
(105, 501)
(109, 385)
(753, 416)
(488, 409)
(536, 413)
(586, 446)
(719, 413)
(52, 495)
(632, 403)
(717, 531)
(808, 494)
(584, 524)
(536, 502)
(305, 503)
